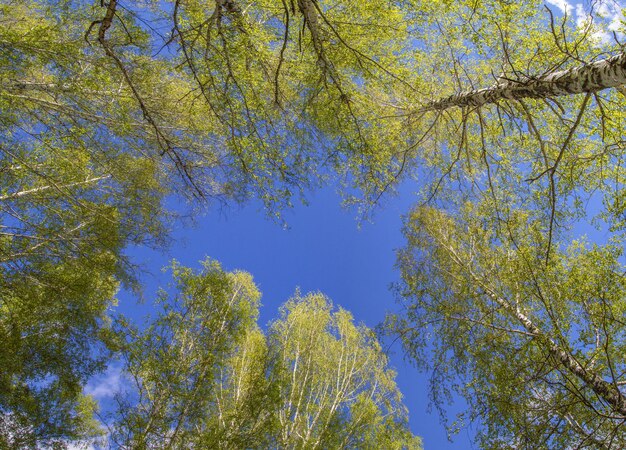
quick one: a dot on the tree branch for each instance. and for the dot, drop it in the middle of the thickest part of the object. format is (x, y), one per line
(587, 78)
(19, 194)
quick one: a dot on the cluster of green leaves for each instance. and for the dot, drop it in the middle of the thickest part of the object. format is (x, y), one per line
(534, 347)
(100, 121)
(504, 302)
(296, 84)
(107, 108)
(204, 375)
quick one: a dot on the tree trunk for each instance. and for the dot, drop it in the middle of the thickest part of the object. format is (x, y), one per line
(602, 388)
(599, 75)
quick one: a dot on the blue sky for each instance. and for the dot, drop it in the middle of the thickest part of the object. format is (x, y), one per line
(325, 250)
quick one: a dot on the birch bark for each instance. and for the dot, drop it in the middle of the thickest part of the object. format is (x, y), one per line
(589, 78)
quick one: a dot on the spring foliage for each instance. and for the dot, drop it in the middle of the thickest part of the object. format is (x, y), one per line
(509, 114)
(205, 375)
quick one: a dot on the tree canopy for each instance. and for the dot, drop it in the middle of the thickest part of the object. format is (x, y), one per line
(534, 347)
(508, 114)
(205, 375)
(505, 300)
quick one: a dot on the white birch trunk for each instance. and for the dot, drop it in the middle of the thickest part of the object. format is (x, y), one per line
(589, 78)
(19, 194)
(603, 389)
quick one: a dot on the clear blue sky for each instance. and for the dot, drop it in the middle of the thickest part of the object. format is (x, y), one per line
(322, 250)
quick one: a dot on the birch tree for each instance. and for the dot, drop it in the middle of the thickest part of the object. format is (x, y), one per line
(535, 348)
(335, 388)
(505, 302)
(174, 362)
(204, 375)
(72, 198)
(525, 103)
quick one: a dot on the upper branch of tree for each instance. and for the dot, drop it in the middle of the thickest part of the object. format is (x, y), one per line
(587, 78)
(167, 148)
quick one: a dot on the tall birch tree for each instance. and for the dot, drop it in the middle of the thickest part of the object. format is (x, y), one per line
(204, 375)
(336, 390)
(534, 347)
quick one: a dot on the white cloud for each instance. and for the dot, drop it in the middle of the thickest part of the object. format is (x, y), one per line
(614, 16)
(72, 446)
(605, 15)
(105, 385)
(564, 6)
(582, 17)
